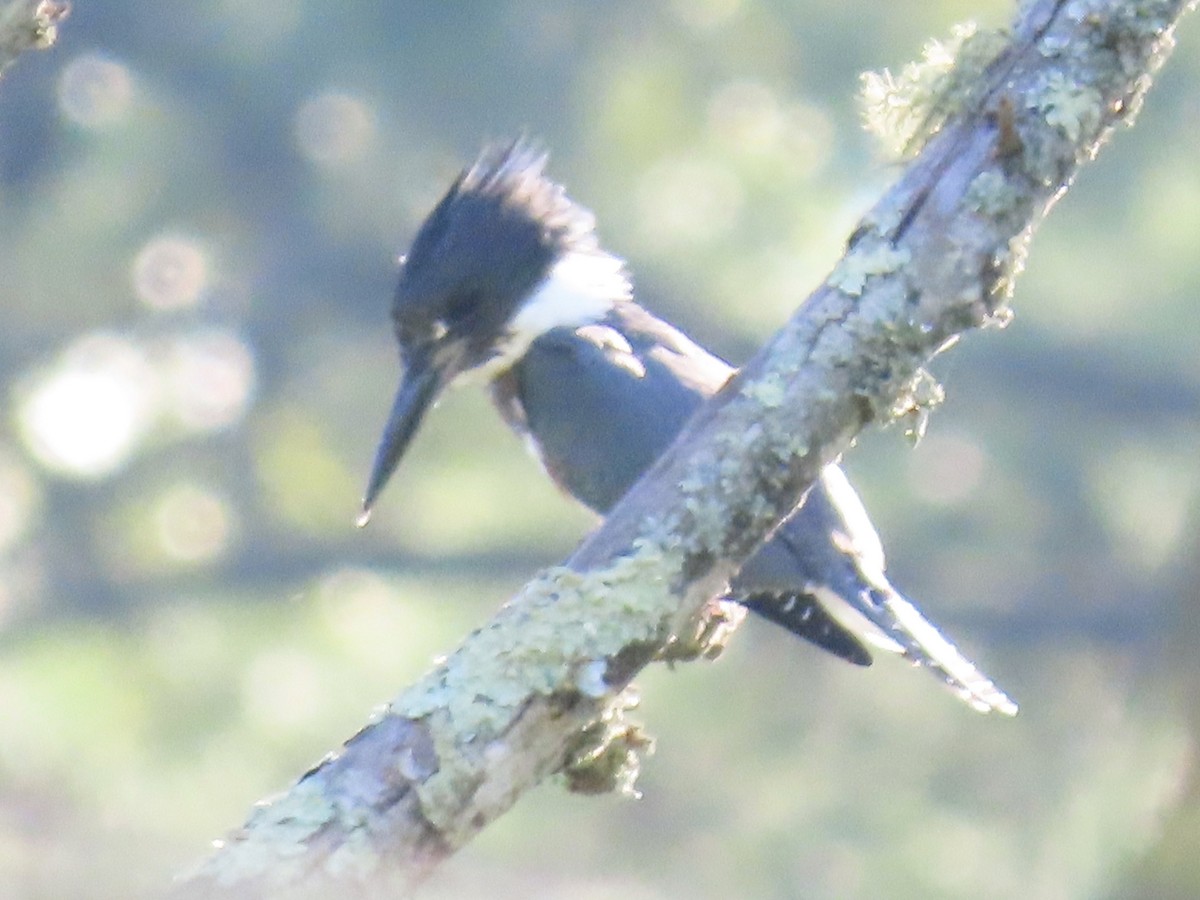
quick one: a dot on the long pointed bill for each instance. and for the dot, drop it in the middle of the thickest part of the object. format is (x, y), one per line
(418, 388)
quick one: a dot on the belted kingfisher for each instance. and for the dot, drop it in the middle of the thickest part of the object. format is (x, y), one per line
(507, 280)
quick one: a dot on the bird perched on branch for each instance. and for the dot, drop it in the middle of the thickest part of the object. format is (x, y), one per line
(506, 279)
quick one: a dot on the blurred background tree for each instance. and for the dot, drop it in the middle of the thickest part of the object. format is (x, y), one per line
(202, 204)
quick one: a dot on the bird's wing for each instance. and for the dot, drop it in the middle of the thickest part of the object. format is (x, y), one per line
(605, 400)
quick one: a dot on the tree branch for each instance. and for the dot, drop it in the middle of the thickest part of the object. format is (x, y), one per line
(28, 25)
(541, 686)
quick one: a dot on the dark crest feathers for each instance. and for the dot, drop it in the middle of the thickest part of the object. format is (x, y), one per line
(496, 233)
(513, 175)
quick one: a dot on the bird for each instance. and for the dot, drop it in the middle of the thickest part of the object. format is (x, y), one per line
(506, 283)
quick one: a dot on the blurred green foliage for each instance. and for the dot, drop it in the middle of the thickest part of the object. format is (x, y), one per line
(202, 205)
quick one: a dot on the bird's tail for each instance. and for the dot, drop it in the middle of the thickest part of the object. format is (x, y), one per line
(804, 617)
(920, 642)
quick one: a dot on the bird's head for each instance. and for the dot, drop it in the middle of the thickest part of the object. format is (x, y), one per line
(504, 257)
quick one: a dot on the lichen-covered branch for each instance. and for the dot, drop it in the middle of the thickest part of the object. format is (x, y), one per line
(28, 25)
(542, 688)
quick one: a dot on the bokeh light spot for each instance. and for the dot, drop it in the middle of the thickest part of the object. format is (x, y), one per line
(358, 588)
(688, 200)
(749, 118)
(170, 273)
(283, 689)
(94, 91)
(334, 128)
(747, 115)
(706, 15)
(1143, 497)
(364, 611)
(193, 524)
(88, 413)
(208, 379)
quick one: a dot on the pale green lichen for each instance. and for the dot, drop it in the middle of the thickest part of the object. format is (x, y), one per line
(768, 391)
(718, 479)
(707, 523)
(278, 830)
(1075, 109)
(856, 267)
(535, 641)
(542, 643)
(1053, 46)
(1139, 31)
(903, 111)
(884, 307)
(300, 813)
(355, 857)
(835, 350)
(1133, 30)
(992, 194)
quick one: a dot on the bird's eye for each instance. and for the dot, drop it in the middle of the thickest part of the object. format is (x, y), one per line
(461, 307)
(411, 327)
